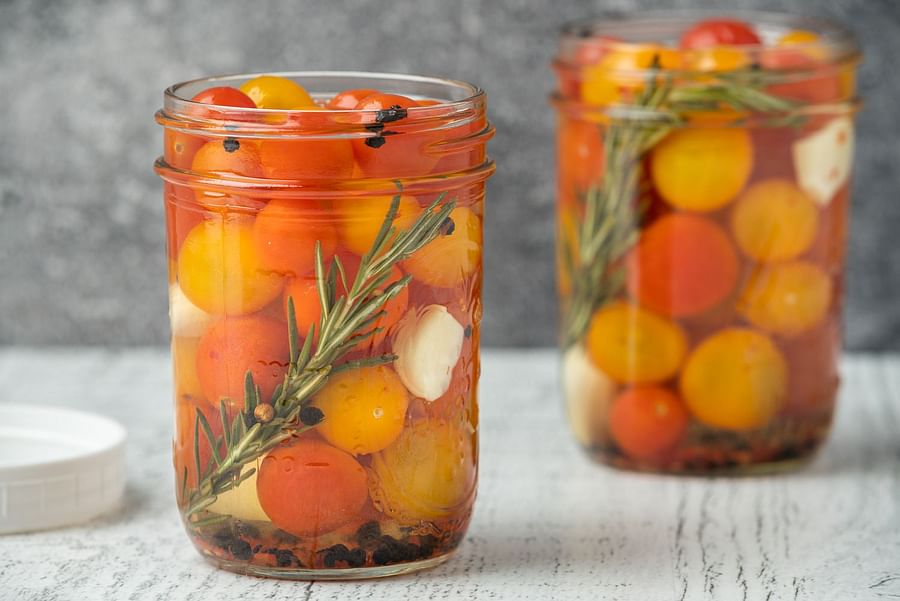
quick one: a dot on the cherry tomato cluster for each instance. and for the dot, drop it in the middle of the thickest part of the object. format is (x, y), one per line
(721, 347)
(237, 259)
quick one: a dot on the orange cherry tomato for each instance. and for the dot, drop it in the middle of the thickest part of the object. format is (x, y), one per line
(702, 169)
(179, 148)
(235, 345)
(228, 157)
(786, 298)
(631, 344)
(309, 488)
(306, 159)
(348, 99)
(452, 256)
(365, 409)
(273, 92)
(774, 220)
(220, 271)
(719, 32)
(682, 265)
(735, 380)
(286, 232)
(393, 155)
(581, 154)
(647, 421)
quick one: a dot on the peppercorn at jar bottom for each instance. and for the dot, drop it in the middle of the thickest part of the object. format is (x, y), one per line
(325, 344)
(701, 238)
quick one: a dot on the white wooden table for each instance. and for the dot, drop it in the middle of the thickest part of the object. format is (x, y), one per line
(549, 524)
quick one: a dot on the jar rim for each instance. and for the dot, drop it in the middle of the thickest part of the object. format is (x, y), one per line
(631, 30)
(179, 105)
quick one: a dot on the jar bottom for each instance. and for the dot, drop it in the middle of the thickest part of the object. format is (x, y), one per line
(796, 446)
(249, 569)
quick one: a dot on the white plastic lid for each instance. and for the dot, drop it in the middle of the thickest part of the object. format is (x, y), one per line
(57, 467)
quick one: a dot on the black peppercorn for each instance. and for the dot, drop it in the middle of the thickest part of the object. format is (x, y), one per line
(448, 227)
(231, 144)
(392, 113)
(375, 142)
(311, 416)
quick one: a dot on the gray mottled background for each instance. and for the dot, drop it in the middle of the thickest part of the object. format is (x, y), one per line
(81, 221)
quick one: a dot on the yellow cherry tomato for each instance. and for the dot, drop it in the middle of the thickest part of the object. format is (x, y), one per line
(219, 268)
(786, 298)
(774, 220)
(631, 344)
(621, 71)
(735, 380)
(272, 92)
(427, 474)
(702, 169)
(807, 41)
(359, 219)
(716, 59)
(453, 255)
(364, 409)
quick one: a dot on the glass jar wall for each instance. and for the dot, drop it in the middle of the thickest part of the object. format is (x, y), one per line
(324, 240)
(703, 193)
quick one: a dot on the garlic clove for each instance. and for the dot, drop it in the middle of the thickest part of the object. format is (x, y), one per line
(428, 343)
(823, 159)
(186, 318)
(241, 502)
(588, 394)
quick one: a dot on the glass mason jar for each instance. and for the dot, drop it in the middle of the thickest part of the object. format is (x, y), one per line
(324, 243)
(704, 177)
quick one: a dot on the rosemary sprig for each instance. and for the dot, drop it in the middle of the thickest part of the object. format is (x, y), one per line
(612, 216)
(346, 320)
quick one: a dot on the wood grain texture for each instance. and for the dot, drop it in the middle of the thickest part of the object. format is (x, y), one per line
(549, 524)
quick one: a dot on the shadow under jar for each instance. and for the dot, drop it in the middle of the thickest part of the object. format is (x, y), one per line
(703, 193)
(324, 243)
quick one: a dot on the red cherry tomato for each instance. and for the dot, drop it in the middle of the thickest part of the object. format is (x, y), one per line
(393, 155)
(718, 32)
(309, 488)
(647, 421)
(348, 99)
(224, 96)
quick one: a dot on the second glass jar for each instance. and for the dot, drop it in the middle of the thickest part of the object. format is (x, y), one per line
(324, 239)
(704, 175)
